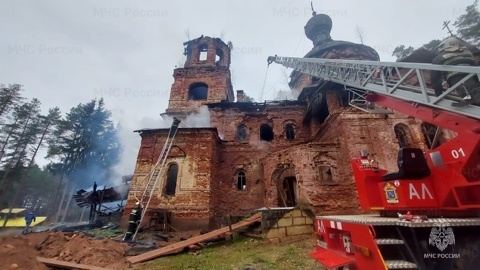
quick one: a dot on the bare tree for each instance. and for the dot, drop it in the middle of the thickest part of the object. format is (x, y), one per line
(360, 33)
(181, 62)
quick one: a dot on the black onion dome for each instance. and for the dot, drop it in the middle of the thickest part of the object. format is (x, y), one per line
(318, 23)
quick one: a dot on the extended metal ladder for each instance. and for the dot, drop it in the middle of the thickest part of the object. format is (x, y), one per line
(156, 172)
(386, 78)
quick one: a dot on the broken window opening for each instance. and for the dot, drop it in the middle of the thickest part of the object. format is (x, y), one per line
(402, 132)
(429, 132)
(241, 181)
(317, 108)
(198, 91)
(290, 132)
(172, 174)
(218, 57)
(287, 196)
(343, 98)
(203, 49)
(266, 133)
(241, 132)
(326, 176)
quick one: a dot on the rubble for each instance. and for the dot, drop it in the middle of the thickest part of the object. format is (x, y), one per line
(97, 249)
(22, 251)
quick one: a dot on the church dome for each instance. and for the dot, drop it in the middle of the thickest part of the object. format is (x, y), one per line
(317, 24)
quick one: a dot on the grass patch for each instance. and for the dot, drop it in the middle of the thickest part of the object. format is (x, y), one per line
(107, 233)
(243, 253)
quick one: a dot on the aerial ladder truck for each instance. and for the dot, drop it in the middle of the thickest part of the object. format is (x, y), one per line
(436, 194)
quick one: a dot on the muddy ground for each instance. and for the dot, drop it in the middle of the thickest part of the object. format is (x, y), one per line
(19, 251)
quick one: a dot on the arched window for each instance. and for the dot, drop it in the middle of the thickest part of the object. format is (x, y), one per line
(198, 91)
(171, 180)
(266, 133)
(402, 132)
(241, 181)
(241, 132)
(289, 132)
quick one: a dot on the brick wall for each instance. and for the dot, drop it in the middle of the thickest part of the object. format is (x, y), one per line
(286, 225)
(245, 155)
(344, 133)
(194, 151)
(217, 79)
(209, 159)
(210, 71)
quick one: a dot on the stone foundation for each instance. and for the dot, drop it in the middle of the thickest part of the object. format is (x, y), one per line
(281, 225)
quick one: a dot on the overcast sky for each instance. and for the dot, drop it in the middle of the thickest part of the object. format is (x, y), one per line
(69, 52)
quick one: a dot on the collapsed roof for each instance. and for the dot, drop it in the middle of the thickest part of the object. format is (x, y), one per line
(86, 198)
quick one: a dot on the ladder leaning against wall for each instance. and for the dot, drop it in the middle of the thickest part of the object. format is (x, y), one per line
(156, 172)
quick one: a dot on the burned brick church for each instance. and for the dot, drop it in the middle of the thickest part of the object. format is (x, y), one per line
(267, 154)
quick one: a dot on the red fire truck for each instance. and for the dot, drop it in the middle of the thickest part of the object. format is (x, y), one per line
(428, 210)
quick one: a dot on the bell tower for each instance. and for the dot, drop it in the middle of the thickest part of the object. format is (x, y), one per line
(205, 77)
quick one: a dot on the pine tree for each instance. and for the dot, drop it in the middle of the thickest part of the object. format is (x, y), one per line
(401, 52)
(468, 28)
(85, 147)
(26, 135)
(468, 24)
(46, 125)
(86, 143)
(432, 45)
(40, 130)
(37, 190)
(247, 98)
(9, 97)
(23, 133)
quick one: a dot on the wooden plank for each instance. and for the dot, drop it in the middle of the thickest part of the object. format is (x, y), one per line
(230, 227)
(194, 240)
(68, 265)
(39, 245)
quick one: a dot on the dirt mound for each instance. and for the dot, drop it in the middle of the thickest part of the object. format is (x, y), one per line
(21, 251)
(79, 248)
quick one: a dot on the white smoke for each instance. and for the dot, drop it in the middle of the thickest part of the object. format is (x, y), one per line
(131, 140)
(199, 119)
(263, 146)
(286, 95)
